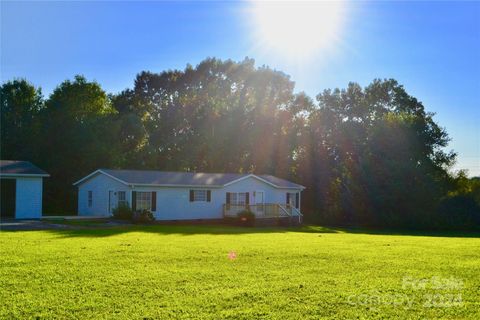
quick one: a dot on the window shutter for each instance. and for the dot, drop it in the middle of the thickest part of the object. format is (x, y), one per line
(134, 200)
(209, 195)
(297, 198)
(191, 195)
(247, 200)
(227, 202)
(288, 198)
(154, 201)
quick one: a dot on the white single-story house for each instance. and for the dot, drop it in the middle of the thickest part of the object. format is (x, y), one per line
(21, 189)
(187, 195)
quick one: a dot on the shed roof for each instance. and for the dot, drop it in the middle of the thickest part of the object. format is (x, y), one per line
(20, 168)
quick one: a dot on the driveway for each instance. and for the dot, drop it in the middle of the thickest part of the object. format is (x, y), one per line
(14, 225)
(57, 224)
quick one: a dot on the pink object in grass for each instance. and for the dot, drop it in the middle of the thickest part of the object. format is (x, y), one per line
(232, 255)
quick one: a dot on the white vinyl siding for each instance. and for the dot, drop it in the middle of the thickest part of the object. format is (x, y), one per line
(100, 185)
(28, 198)
(173, 203)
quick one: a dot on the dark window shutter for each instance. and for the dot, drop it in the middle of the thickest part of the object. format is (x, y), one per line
(154, 201)
(288, 198)
(227, 202)
(247, 198)
(228, 198)
(209, 195)
(134, 200)
(297, 199)
(191, 195)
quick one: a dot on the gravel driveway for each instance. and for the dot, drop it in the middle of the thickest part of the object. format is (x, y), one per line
(14, 225)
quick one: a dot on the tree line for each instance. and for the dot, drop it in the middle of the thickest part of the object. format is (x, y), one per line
(369, 156)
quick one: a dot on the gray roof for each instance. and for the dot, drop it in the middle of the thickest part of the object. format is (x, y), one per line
(282, 183)
(172, 178)
(150, 177)
(14, 167)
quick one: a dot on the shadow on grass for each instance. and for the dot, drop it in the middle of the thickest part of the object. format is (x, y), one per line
(95, 229)
(402, 232)
(185, 230)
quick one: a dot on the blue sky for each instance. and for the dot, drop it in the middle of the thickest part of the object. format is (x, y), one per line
(432, 48)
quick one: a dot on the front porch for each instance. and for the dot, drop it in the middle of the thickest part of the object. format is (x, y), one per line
(264, 211)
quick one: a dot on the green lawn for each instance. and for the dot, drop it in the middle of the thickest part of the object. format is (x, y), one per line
(185, 272)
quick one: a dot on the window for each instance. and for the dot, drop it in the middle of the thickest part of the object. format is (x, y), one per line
(200, 195)
(122, 198)
(90, 198)
(239, 198)
(144, 201)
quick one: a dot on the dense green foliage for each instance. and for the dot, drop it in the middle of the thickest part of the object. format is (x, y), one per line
(246, 218)
(122, 212)
(143, 216)
(179, 272)
(20, 105)
(368, 156)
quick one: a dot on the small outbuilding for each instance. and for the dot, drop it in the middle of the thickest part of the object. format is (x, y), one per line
(21, 188)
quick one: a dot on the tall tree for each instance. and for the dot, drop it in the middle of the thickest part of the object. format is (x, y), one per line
(389, 163)
(20, 104)
(79, 134)
(368, 156)
(217, 116)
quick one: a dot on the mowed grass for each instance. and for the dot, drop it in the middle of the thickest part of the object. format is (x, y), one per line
(184, 272)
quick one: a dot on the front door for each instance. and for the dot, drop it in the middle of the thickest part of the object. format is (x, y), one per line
(111, 201)
(292, 199)
(259, 201)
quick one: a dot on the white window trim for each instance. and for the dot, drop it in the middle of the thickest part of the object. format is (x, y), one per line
(235, 198)
(200, 195)
(143, 200)
(122, 201)
(90, 198)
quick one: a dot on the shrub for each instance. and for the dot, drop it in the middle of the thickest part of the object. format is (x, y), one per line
(143, 216)
(246, 218)
(459, 212)
(122, 212)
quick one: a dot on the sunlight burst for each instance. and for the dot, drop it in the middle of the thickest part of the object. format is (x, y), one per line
(297, 30)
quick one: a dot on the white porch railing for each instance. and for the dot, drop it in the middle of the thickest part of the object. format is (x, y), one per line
(297, 213)
(267, 210)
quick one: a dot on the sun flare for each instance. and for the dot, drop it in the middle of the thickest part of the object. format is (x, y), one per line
(297, 30)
